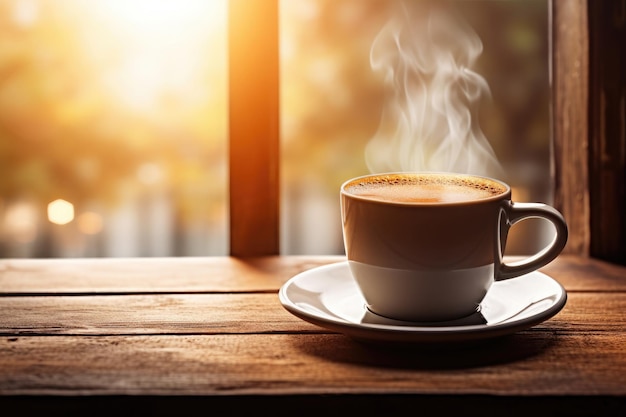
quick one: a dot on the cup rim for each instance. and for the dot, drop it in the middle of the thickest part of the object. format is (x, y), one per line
(505, 194)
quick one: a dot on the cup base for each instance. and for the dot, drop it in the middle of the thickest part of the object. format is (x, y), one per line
(474, 318)
(422, 296)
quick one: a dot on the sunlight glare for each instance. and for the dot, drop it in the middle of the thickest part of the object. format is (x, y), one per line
(160, 49)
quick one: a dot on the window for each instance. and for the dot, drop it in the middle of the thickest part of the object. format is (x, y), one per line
(116, 111)
(143, 157)
(332, 98)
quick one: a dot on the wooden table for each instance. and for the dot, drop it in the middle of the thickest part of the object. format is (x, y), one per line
(177, 335)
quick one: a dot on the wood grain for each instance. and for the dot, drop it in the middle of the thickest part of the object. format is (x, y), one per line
(152, 275)
(147, 314)
(578, 273)
(232, 314)
(228, 274)
(570, 63)
(315, 364)
(227, 342)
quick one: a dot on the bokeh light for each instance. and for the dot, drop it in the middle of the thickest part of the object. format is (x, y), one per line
(60, 212)
(90, 223)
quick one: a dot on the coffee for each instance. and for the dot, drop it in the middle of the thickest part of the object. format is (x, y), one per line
(425, 188)
(426, 247)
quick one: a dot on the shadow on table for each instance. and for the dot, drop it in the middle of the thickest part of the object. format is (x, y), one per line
(506, 349)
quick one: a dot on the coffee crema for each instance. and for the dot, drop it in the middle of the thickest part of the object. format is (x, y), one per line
(424, 188)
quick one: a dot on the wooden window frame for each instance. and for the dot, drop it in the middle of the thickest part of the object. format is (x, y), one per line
(588, 68)
(589, 134)
(569, 79)
(253, 127)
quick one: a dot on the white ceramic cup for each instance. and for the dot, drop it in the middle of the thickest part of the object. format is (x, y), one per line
(426, 247)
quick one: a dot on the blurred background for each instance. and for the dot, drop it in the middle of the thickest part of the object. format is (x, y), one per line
(114, 120)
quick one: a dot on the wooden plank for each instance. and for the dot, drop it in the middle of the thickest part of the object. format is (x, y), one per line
(234, 313)
(152, 275)
(253, 127)
(577, 273)
(607, 106)
(147, 314)
(523, 365)
(570, 62)
(227, 274)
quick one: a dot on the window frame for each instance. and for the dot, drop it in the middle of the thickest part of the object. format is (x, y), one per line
(253, 127)
(589, 134)
(580, 135)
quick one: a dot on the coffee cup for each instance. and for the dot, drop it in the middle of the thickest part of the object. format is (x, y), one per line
(426, 247)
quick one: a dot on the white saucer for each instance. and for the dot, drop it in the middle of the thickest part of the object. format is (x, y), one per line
(328, 297)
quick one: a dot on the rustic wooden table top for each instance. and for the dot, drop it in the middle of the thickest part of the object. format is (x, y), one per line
(175, 335)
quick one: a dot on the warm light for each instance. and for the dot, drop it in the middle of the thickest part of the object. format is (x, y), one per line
(20, 221)
(163, 49)
(60, 212)
(150, 173)
(90, 223)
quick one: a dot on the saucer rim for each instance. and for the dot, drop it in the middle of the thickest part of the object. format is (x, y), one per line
(376, 332)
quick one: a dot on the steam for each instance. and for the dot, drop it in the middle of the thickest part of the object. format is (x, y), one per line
(430, 118)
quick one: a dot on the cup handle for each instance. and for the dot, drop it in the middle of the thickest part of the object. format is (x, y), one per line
(516, 212)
